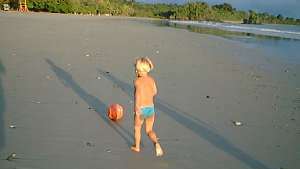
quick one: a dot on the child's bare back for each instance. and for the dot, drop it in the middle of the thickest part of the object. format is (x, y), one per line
(145, 90)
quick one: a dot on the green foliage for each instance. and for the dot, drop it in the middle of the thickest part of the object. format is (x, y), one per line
(113, 7)
(193, 10)
(253, 18)
(224, 7)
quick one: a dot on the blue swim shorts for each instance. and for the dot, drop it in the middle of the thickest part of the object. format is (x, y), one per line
(147, 111)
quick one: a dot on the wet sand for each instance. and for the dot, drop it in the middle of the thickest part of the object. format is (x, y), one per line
(51, 93)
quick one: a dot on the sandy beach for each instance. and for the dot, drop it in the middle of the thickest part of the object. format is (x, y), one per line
(58, 74)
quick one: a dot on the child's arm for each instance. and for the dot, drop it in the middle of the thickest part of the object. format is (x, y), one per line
(154, 88)
(137, 95)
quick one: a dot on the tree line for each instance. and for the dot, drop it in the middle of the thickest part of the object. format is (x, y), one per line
(192, 10)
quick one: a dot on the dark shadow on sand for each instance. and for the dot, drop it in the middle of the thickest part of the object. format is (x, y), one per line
(92, 101)
(195, 125)
(2, 108)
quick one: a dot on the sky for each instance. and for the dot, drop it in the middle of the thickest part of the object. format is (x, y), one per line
(290, 8)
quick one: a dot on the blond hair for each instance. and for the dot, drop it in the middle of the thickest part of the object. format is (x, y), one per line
(144, 64)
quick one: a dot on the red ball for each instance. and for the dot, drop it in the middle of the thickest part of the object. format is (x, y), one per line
(115, 112)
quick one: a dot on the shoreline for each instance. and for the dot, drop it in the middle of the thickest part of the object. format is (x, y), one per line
(233, 22)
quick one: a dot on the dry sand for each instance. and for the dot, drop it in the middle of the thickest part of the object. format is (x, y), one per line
(49, 68)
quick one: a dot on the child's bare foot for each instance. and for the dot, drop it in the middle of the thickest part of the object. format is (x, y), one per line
(159, 151)
(133, 148)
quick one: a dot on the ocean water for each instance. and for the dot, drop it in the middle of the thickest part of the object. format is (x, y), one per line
(281, 41)
(283, 31)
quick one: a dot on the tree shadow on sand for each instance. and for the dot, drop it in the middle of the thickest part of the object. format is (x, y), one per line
(91, 100)
(195, 125)
(2, 108)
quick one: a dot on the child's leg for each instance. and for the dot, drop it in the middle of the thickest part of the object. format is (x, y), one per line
(137, 132)
(149, 129)
(152, 135)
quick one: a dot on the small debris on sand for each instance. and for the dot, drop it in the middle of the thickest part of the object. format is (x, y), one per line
(91, 108)
(37, 102)
(256, 77)
(89, 144)
(12, 126)
(237, 123)
(11, 156)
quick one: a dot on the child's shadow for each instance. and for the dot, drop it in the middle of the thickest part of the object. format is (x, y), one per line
(197, 126)
(91, 100)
